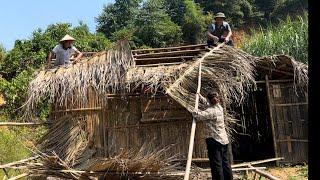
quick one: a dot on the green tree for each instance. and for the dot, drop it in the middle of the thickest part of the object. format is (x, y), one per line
(117, 16)
(237, 11)
(28, 55)
(176, 10)
(33, 52)
(154, 27)
(2, 53)
(290, 8)
(267, 6)
(193, 26)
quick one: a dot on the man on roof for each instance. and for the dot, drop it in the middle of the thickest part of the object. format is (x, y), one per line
(63, 52)
(219, 31)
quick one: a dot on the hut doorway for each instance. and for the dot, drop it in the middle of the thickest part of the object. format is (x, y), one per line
(253, 140)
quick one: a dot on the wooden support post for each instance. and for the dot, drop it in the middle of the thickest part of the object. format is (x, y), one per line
(271, 118)
(5, 172)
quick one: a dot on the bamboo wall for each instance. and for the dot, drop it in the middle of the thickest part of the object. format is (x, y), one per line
(115, 123)
(289, 113)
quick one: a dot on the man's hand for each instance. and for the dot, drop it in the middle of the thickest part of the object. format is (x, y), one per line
(195, 114)
(226, 39)
(75, 61)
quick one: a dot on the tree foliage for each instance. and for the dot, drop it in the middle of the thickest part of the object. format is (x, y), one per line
(117, 16)
(193, 25)
(154, 26)
(18, 65)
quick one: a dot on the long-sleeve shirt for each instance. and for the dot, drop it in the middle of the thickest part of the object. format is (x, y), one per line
(214, 125)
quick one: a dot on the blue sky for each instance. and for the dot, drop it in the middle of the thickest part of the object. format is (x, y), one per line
(19, 18)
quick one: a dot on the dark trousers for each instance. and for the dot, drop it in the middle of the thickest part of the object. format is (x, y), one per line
(211, 43)
(219, 161)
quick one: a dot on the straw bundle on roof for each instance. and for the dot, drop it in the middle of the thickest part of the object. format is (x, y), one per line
(104, 72)
(227, 69)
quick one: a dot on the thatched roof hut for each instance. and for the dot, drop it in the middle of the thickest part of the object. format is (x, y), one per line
(120, 99)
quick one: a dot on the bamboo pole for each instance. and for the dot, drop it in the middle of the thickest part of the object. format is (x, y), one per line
(271, 118)
(22, 124)
(263, 173)
(19, 176)
(256, 162)
(193, 127)
(2, 166)
(242, 164)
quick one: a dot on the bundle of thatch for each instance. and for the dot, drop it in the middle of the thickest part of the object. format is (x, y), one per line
(139, 164)
(65, 152)
(104, 72)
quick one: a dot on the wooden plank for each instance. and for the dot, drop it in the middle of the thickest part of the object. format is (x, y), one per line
(22, 124)
(201, 160)
(271, 118)
(156, 122)
(237, 169)
(169, 48)
(263, 173)
(18, 162)
(160, 64)
(275, 81)
(79, 109)
(275, 70)
(289, 144)
(293, 140)
(290, 104)
(165, 58)
(173, 53)
(164, 114)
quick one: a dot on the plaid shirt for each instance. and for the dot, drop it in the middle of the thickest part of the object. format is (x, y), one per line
(214, 122)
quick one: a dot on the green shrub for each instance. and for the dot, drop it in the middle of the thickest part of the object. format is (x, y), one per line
(290, 37)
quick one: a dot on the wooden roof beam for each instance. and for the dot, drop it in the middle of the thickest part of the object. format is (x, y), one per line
(141, 51)
(163, 60)
(169, 54)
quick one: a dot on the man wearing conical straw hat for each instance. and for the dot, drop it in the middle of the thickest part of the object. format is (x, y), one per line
(63, 51)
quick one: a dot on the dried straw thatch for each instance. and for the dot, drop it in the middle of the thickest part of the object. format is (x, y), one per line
(104, 72)
(65, 152)
(230, 70)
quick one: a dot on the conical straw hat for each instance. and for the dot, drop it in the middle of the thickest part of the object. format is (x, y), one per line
(67, 38)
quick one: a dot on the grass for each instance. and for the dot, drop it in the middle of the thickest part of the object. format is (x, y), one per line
(14, 143)
(285, 172)
(290, 37)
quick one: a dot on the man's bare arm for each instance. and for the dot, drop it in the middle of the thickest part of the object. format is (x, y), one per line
(49, 59)
(79, 55)
(228, 36)
(210, 36)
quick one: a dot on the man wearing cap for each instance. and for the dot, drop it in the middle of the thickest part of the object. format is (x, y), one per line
(219, 31)
(63, 51)
(216, 136)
